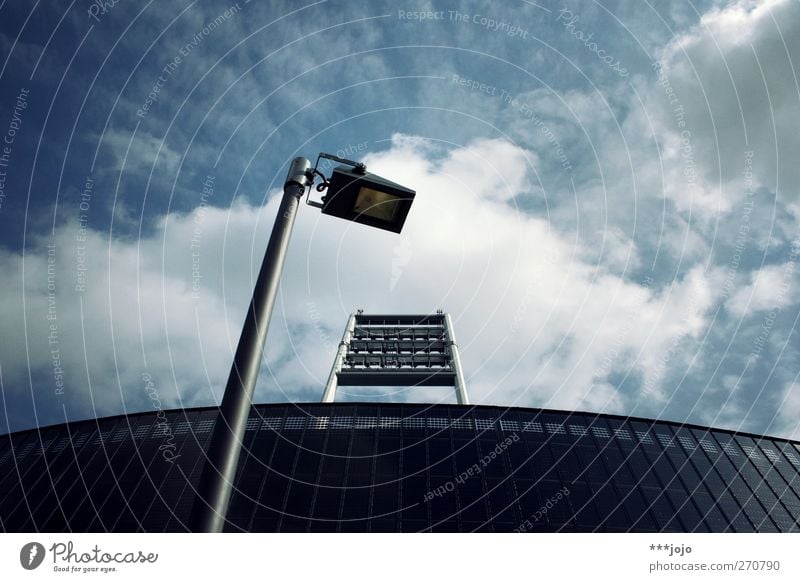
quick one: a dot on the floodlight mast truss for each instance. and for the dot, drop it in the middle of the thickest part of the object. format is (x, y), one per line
(397, 350)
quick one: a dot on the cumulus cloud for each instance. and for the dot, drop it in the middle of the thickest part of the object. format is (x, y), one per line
(734, 75)
(100, 315)
(768, 289)
(788, 420)
(538, 321)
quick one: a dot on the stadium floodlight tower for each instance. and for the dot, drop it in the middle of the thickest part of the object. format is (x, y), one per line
(352, 194)
(397, 350)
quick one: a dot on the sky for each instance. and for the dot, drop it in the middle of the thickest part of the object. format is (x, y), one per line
(608, 200)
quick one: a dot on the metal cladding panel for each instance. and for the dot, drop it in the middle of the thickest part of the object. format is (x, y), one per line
(435, 319)
(404, 467)
(367, 377)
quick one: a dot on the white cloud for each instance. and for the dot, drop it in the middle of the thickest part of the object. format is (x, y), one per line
(735, 76)
(535, 320)
(788, 420)
(537, 323)
(768, 289)
(619, 252)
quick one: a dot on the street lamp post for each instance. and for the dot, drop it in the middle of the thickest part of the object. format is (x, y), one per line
(216, 482)
(354, 195)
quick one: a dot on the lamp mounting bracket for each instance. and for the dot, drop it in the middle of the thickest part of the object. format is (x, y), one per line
(358, 168)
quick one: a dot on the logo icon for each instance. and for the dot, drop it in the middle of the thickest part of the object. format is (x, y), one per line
(31, 555)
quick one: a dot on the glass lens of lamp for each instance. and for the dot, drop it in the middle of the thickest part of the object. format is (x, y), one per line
(376, 204)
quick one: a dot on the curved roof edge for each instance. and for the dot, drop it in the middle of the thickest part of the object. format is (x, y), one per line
(424, 405)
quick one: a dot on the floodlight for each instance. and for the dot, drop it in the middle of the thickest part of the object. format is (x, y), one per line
(355, 194)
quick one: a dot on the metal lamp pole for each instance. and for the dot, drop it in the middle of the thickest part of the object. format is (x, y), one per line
(216, 481)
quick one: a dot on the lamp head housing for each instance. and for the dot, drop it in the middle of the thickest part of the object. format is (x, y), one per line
(356, 195)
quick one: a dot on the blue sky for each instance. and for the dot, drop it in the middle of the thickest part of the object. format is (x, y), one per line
(607, 204)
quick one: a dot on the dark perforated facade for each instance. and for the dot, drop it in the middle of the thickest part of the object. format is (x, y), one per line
(403, 467)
